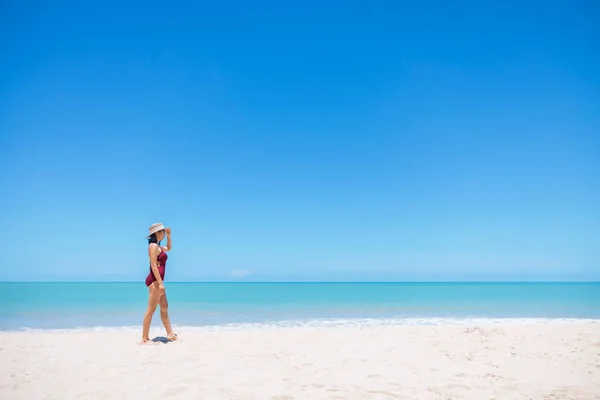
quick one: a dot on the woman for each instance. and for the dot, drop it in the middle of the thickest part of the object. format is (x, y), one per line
(154, 280)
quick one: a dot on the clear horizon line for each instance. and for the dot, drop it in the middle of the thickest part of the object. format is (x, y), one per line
(340, 282)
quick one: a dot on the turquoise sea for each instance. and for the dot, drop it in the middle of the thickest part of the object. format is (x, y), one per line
(239, 305)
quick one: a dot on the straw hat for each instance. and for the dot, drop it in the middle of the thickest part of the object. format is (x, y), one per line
(155, 228)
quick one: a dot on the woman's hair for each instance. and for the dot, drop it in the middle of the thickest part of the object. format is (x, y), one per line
(153, 239)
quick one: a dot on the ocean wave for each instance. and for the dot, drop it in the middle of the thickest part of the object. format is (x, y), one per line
(359, 323)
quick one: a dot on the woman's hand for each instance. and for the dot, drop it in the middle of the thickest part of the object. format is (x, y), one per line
(161, 287)
(168, 231)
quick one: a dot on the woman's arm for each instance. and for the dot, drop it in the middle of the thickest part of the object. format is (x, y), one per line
(168, 247)
(153, 254)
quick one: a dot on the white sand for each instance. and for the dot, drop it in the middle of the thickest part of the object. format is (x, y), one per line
(534, 361)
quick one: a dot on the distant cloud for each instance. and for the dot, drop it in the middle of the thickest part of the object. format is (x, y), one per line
(239, 273)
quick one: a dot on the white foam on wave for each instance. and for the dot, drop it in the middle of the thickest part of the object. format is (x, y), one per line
(332, 323)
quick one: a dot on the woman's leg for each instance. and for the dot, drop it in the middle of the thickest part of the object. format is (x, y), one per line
(164, 316)
(153, 299)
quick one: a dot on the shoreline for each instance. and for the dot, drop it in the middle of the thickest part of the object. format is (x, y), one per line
(332, 322)
(550, 360)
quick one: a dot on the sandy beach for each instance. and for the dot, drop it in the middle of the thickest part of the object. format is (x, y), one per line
(508, 361)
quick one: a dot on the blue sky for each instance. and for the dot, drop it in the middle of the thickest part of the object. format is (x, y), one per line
(309, 141)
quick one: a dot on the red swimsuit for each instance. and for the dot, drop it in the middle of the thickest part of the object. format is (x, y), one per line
(162, 263)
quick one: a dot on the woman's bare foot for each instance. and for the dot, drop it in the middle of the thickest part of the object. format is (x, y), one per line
(172, 337)
(146, 341)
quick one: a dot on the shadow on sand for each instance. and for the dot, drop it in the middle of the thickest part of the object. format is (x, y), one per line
(161, 339)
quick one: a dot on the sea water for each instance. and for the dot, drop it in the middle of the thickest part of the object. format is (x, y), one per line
(26, 306)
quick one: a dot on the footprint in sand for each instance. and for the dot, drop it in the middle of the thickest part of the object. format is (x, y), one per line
(387, 394)
(492, 377)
